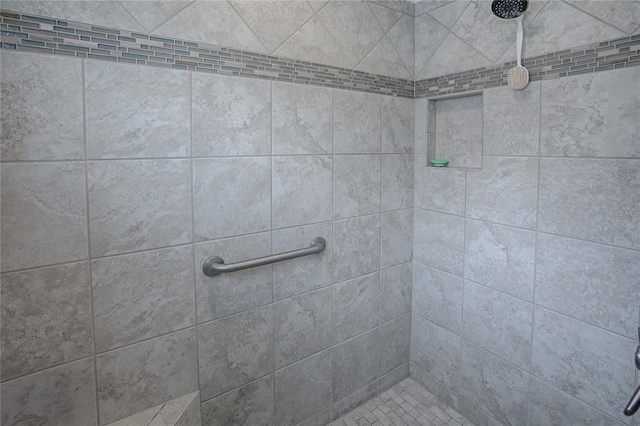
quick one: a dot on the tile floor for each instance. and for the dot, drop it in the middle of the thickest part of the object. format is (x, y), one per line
(405, 404)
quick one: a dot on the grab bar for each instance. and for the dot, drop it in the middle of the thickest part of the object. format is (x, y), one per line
(634, 403)
(214, 265)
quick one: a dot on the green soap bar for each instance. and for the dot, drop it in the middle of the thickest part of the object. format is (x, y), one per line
(439, 163)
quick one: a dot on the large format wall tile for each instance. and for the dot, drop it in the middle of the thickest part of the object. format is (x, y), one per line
(303, 389)
(60, 396)
(356, 247)
(142, 375)
(231, 116)
(395, 337)
(397, 237)
(500, 257)
(44, 214)
(437, 296)
(232, 196)
(593, 115)
(251, 404)
(429, 33)
(46, 318)
(151, 16)
(137, 205)
(459, 131)
(438, 240)
(439, 189)
(235, 350)
(621, 14)
(356, 185)
(302, 119)
(142, 295)
(357, 398)
(302, 190)
(148, 116)
(227, 294)
(395, 291)
(355, 306)
(302, 326)
(384, 60)
(398, 125)
(397, 182)
(355, 364)
(357, 122)
(584, 361)
(591, 199)
(505, 191)
(41, 114)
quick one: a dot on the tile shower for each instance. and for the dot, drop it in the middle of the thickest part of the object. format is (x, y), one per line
(509, 289)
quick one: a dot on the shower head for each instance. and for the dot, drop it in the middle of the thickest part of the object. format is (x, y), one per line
(509, 9)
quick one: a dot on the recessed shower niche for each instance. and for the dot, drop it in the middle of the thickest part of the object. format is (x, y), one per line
(454, 131)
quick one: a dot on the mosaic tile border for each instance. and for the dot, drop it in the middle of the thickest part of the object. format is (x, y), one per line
(31, 33)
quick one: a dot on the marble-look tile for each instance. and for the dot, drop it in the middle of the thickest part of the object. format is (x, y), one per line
(586, 362)
(395, 376)
(152, 13)
(44, 214)
(453, 55)
(138, 205)
(301, 120)
(592, 282)
(303, 274)
(322, 418)
(498, 323)
(386, 16)
(354, 400)
(227, 294)
(142, 375)
(301, 190)
(505, 191)
(357, 122)
(440, 189)
(181, 411)
(213, 22)
(235, 350)
(438, 240)
(448, 14)
(231, 116)
(356, 247)
(143, 417)
(406, 7)
(273, 21)
(147, 116)
(395, 291)
(60, 396)
(593, 115)
(313, 43)
(355, 364)
(355, 306)
(251, 404)
(420, 133)
(512, 120)
(303, 389)
(46, 318)
(398, 124)
(384, 60)
(397, 181)
(429, 35)
(41, 114)
(494, 385)
(459, 131)
(402, 36)
(621, 14)
(239, 185)
(500, 257)
(549, 406)
(302, 326)
(441, 393)
(356, 185)
(192, 415)
(353, 26)
(594, 200)
(436, 351)
(396, 231)
(394, 344)
(130, 304)
(437, 296)
(474, 414)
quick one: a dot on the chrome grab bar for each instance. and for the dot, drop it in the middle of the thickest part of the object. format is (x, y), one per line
(214, 265)
(634, 402)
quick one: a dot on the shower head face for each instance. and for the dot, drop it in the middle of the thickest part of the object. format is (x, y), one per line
(509, 9)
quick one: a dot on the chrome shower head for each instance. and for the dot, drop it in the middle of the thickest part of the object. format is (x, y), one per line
(509, 9)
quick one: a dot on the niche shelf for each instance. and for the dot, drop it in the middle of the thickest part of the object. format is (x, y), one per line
(454, 131)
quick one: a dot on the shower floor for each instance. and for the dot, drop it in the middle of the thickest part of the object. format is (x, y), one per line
(405, 404)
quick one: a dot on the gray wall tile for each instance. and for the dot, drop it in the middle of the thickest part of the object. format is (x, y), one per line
(147, 116)
(591, 199)
(302, 119)
(356, 185)
(395, 291)
(44, 214)
(302, 190)
(240, 185)
(138, 205)
(397, 237)
(395, 376)
(357, 126)
(438, 240)
(439, 189)
(355, 306)
(142, 295)
(397, 182)
(500, 257)
(227, 294)
(437, 296)
(355, 364)
(505, 191)
(60, 396)
(231, 116)
(145, 374)
(395, 337)
(235, 350)
(356, 247)
(251, 404)
(398, 124)
(302, 326)
(46, 318)
(459, 131)
(41, 114)
(303, 389)
(355, 399)
(420, 133)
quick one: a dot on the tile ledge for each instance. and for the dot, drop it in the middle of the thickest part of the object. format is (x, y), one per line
(170, 413)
